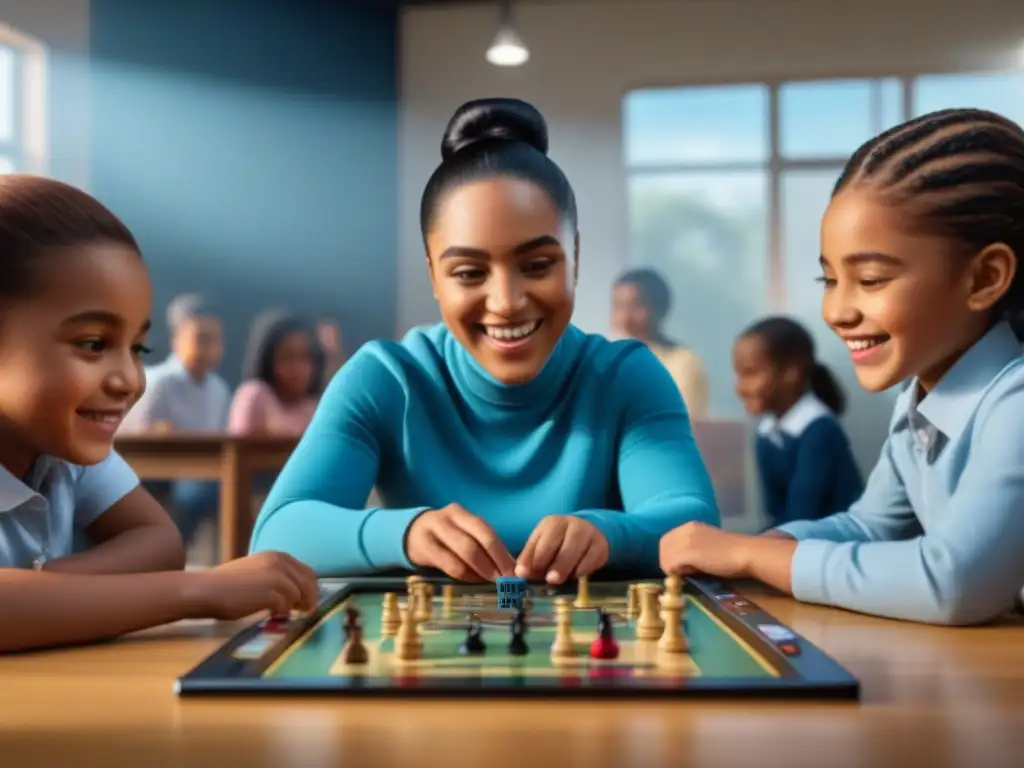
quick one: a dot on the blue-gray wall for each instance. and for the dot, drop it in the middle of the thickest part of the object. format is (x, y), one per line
(251, 146)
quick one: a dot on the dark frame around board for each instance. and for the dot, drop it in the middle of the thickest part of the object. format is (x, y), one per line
(805, 671)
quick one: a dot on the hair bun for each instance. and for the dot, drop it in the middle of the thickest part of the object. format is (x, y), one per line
(482, 119)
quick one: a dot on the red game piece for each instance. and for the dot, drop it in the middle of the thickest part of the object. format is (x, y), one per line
(604, 645)
(278, 623)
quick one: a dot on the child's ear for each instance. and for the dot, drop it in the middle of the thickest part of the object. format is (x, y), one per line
(990, 276)
(792, 375)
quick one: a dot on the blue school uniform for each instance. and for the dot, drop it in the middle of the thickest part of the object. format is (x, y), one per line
(601, 434)
(43, 516)
(938, 535)
(805, 463)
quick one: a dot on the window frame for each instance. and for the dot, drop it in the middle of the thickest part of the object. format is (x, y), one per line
(28, 148)
(777, 165)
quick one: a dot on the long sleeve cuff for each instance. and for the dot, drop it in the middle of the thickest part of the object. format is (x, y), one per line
(382, 536)
(808, 570)
(798, 529)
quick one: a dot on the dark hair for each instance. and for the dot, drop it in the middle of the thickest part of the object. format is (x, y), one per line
(39, 216)
(268, 329)
(788, 343)
(496, 137)
(962, 170)
(654, 293)
(187, 306)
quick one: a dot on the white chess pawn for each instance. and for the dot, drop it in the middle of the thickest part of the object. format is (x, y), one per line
(672, 639)
(408, 645)
(649, 626)
(563, 647)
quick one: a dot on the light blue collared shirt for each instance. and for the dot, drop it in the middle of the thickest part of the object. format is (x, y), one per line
(173, 395)
(45, 515)
(938, 535)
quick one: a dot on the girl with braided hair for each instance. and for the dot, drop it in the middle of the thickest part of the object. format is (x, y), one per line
(920, 249)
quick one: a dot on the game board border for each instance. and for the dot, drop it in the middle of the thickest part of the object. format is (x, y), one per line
(805, 671)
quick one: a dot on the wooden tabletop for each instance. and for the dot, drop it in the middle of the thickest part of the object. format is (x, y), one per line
(931, 697)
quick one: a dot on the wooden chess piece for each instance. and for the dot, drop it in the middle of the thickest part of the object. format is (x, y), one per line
(422, 603)
(390, 618)
(604, 645)
(447, 598)
(674, 586)
(582, 592)
(354, 651)
(649, 626)
(563, 646)
(474, 643)
(672, 639)
(517, 644)
(632, 602)
(429, 590)
(408, 645)
(411, 583)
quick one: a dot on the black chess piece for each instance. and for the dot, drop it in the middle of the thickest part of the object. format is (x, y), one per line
(474, 643)
(517, 644)
(351, 619)
(354, 650)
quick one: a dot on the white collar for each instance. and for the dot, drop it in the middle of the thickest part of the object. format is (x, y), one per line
(793, 422)
(15, 492)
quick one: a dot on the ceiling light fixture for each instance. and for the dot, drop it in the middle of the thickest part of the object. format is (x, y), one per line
(508, 49)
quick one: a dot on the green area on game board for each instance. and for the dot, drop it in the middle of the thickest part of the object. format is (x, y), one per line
(714, 650)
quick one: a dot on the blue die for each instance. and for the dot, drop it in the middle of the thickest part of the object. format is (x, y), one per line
(511, 592)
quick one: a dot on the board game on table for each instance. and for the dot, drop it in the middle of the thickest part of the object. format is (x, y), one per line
(395, 637)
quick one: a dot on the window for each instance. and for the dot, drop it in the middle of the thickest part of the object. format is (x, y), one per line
(727, 184)
(726, 188)
(697, 125)
(22, 103)
(999, 92)
(698, 192)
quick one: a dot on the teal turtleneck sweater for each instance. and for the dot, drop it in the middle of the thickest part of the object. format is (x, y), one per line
(601, 433)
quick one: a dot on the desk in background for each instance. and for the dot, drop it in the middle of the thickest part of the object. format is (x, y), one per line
(231, 461)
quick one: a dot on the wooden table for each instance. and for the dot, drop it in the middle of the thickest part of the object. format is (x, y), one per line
(932, 697)
(229, 460)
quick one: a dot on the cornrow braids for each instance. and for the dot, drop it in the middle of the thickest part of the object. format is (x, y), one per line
(963, 170)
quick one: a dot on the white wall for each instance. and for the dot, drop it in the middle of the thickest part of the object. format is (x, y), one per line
(63, 26)
(587, 55)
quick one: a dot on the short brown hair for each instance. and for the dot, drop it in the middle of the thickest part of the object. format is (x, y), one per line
(39, 215)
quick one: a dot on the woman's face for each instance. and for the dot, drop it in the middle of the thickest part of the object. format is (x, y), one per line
(293, 364)
(631, 318)
(503, 268)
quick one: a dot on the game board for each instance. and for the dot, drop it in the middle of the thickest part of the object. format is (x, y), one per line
(734, 648)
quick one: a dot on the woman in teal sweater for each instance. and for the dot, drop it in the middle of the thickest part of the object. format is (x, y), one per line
(504, 441)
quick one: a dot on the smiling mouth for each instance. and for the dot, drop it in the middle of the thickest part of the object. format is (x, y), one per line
(511, 333)
(864, 343)
(102, 417)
